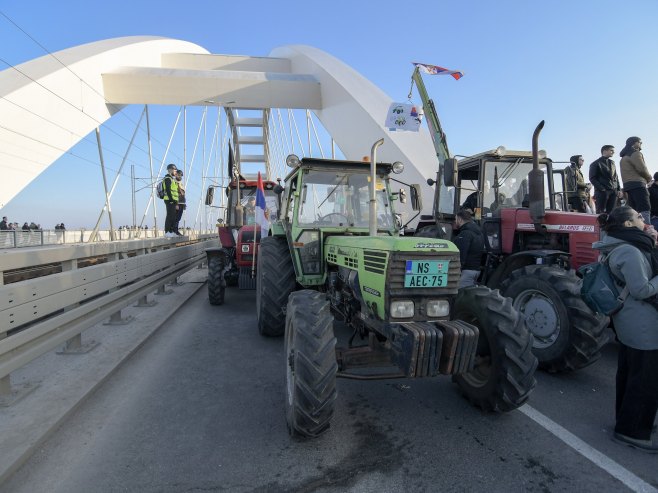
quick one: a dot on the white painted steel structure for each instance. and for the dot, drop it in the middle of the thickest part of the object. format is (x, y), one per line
(38, 126)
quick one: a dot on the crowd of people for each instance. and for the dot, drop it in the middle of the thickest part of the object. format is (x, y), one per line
(5, 225)
(628, 216)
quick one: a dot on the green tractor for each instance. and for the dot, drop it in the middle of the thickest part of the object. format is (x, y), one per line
(336, 255)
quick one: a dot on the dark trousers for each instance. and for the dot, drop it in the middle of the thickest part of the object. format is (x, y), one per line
(577, 204)
(637, 392)
(638, 199)
(179, 216)
(170, 220)
(605, 200)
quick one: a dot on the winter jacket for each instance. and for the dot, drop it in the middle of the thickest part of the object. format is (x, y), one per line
(634, 172)
(603, 175)
(470, 242)
(636, 323)
(576, 186)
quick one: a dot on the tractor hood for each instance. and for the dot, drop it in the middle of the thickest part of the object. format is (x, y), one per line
(391, 243)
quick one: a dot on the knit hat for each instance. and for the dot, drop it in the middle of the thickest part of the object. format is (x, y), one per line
(574, 159)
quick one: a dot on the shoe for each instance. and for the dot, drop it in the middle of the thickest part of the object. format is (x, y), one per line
(169, 235)
(178, 233)
(644, 445)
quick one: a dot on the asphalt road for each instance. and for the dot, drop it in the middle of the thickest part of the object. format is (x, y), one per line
(200, 408)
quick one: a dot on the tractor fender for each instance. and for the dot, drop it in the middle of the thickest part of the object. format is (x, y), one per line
(527, 257)
(215, 252)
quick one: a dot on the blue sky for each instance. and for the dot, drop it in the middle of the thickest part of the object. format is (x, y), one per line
(586, 67)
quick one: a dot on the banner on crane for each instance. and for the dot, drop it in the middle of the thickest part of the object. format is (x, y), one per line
(436, 70)
(404, 116)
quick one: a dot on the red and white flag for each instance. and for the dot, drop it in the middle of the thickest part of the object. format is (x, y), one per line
(436, 70)
(260, 208)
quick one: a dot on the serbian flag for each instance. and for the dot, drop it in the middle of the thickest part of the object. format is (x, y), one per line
(436, 70)
(260, 208)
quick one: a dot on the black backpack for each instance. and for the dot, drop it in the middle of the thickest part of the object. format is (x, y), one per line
(600, 288)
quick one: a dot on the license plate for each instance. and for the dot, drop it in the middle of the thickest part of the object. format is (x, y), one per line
(426, 273)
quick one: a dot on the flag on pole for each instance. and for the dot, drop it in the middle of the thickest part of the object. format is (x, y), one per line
(436, 70)
(260, 208)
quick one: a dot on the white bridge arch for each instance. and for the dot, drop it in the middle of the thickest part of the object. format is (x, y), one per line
(38, 126)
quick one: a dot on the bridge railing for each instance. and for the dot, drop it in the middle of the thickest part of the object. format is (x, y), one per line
(28, 238)
(48, 296)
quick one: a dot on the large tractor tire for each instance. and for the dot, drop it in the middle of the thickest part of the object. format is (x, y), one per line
(503, 376)
(275, 280)
(216, 281)
(310, 350)
(567, 334)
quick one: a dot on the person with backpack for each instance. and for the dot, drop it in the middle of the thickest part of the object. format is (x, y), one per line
(633, 260)
(181, 202)
(170, 188)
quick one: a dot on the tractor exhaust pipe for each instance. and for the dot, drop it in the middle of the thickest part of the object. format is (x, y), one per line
(536, 197)
(372, 223)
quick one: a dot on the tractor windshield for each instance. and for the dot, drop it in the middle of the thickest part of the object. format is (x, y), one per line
(510, 179)
(341, 199)
(248, 202)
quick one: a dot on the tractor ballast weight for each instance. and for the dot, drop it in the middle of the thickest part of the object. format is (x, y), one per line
(396, 295)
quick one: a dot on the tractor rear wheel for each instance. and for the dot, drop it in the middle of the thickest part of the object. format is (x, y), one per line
(503, 376)
(311, 367)
(216, 281)
(275, 280)
(567, 334)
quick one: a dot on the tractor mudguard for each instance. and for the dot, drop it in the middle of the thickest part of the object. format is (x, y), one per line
(527, 257)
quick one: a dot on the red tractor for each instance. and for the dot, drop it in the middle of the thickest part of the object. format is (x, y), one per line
(533, 244)
(233, 262)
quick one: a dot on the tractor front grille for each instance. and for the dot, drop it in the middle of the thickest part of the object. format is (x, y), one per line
(397, 267)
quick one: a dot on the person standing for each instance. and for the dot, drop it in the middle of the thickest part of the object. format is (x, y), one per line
(3, 224)
(635, 175)
(170, 199)
(470, 242)
(577, 193)
(181, 201)
(633, 259)
(603, 177)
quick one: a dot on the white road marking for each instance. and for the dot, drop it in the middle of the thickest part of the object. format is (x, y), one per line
(603, 461)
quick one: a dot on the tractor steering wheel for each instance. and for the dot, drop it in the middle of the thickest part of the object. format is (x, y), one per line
(323, 219)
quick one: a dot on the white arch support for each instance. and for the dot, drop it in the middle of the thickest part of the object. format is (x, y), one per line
(47, 108)
(37, 126)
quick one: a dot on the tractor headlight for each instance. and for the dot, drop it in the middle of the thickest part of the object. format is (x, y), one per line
(402, 309)
(398, 167)
(438, 308)
(292, 161)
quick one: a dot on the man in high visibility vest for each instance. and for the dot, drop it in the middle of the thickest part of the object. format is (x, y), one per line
(171, 200)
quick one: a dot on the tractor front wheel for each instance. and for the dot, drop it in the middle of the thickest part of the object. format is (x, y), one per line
(503, 376)
(310, 349)
(216, 281)
(567, 334)
(275, 280)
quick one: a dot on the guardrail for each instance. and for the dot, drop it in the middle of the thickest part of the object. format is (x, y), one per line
(50, 295)
(25, 238)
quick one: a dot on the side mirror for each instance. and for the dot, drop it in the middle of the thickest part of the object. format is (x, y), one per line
(430, 182)
(416, 198)
(450, 172)
(210, 195)
(278, 189)
(403, 196)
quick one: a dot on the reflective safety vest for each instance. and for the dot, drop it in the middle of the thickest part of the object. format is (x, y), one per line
(174, 188)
